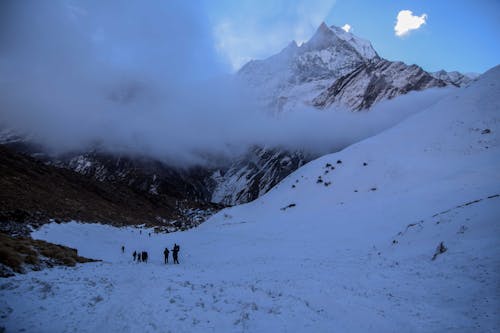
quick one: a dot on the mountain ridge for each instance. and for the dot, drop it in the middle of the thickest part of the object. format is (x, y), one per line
(313, 74)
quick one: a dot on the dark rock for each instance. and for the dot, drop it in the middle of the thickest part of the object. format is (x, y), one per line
(289, 206)
(439, 250)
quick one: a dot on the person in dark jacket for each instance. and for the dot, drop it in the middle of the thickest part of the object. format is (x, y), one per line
(144, 256)
(134, 255)
(123, 249)
(165, 254)
(175, 253)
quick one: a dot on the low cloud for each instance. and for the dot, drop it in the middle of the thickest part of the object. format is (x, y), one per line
(147, 82)
(346, 27)
(407, 22)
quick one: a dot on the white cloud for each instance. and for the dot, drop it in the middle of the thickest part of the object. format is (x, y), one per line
(346, 27)
(406, 22)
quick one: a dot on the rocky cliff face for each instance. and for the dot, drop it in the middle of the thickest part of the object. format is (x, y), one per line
(140, 173)
(242, 180)
(375, 81)
(238, 181)
(254, 174)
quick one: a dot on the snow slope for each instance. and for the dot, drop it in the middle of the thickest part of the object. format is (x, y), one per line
(335, 247)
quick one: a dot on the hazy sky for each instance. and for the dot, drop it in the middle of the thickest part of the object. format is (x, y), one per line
(459, 35)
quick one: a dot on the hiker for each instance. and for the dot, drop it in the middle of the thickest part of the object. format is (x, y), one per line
(165, 254)
(134, 255)
(175, 253)
(123, 249)
(138, 256)
(144, 256)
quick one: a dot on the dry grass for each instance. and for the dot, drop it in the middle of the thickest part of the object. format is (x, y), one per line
(18, 252)
(11, 258)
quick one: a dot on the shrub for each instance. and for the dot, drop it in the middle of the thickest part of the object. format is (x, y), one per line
(31, 259)
(68, 261)
(11, 258)
(15, 252)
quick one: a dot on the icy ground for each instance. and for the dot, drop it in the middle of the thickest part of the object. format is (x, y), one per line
(344, 244)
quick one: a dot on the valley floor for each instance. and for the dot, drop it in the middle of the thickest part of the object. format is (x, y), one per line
(266, 284)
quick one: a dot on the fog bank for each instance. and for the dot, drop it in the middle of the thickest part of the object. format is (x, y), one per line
(144, 78)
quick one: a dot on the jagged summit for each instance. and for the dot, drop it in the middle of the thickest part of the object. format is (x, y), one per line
(297, 74)
(363, 46)
(335, 67)
(326, 37)
(323, 26)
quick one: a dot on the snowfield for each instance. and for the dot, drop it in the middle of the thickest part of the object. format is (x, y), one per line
(344, 244)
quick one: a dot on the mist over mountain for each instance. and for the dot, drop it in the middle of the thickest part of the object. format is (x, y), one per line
(146, 81)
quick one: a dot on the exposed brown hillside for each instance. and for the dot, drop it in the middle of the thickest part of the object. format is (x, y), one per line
(18, 255)
(31, 191)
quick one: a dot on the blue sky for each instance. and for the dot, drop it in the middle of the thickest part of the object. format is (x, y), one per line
(459, 35)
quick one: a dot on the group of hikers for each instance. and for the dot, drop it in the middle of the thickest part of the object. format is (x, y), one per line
(175, 254)
(142, 256)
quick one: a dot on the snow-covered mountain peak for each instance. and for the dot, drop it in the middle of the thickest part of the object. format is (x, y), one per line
(297, 74)
(323, 38)
(362, 46)
(323, 27)
(335, 68)
(335, 37)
